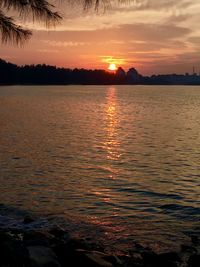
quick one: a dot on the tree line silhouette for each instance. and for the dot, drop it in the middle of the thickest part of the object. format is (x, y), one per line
(45, 74)
(12, 74)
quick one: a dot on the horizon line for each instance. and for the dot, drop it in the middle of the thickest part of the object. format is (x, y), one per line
(96, 69)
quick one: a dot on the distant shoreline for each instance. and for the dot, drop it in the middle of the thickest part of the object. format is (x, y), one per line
(1, 85)
(43, 74)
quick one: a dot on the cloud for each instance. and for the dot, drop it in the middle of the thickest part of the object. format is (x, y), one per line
(63, 44)
(120, 34)
(146, 34)
(133, 12)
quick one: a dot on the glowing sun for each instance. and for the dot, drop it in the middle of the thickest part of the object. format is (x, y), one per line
(112, 66)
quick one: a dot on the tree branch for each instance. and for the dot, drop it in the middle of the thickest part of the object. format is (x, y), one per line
(11, 32)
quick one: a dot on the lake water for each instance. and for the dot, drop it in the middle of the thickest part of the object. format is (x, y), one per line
(118, 162)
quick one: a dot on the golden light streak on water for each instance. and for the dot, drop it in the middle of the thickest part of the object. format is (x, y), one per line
(112, 142)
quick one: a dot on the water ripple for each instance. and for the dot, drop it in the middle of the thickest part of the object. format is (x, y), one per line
(123, 158)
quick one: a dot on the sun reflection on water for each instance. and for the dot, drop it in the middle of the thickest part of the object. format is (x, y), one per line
(112, 142)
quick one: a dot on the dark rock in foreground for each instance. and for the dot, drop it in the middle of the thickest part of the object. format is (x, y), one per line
(56, 248)
(42, 256)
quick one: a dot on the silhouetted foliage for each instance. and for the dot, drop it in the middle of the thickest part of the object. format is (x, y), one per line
(39, 10)
(46, 75)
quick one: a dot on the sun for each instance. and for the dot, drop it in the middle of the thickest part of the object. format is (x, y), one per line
(112, 66)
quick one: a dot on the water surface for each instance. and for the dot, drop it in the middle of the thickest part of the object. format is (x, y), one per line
(123, 159)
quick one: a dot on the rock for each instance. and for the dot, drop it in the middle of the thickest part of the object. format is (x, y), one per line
(195, 240)
(60, 236)
(130, 261)
(81, 243)
(188, 249)
(41, 256)
(65, 248)
(186, 252)
(28, 219)
(169, 256)
(170, 259)
(4, 236)
(62, 252)
(37, 238)
(114, 260)
(70, 256)
(56, 248)
(57, 232)
(93, 259)
(76, 243)
(149, 257)
(136, 259)
(194, 261)
(12, 252)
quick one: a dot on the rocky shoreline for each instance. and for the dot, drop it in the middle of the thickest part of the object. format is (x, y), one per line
(56, 247)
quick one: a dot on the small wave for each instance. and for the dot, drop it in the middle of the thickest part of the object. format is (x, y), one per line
(181, 211)
(151, 193)
(8, 222)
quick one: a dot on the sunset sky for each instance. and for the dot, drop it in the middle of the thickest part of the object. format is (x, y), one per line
(153, 36)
